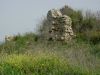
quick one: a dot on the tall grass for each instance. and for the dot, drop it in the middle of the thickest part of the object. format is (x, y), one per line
(21, 55)
(38, 64)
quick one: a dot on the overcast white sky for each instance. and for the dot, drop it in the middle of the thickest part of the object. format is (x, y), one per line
(23, 15)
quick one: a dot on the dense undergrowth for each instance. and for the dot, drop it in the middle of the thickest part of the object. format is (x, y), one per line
(38, 64)
(30, 55)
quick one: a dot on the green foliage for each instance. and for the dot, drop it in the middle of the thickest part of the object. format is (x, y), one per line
(41, 64)
(76, 17)
(20, 44)
(88, 25)
(58, 58)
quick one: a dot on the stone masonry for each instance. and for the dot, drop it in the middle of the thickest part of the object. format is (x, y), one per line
(60, 29)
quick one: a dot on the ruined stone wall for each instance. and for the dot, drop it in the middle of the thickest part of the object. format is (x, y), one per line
(60, 26)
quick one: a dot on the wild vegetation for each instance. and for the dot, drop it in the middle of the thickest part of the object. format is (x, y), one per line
(29, 54)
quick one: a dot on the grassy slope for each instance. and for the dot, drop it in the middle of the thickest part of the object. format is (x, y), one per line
(27, 56)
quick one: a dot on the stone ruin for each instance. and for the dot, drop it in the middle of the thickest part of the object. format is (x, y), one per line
(60, 26)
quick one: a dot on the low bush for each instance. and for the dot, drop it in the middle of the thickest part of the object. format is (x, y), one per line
(92, 36)
(20, 44)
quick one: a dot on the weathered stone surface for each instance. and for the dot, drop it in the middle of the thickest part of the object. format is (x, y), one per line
(60, 28)
(52, 14)
(10, 38)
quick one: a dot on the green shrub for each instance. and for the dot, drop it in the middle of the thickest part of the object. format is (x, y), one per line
(91, 36)
(75, 15)
(85, 25)
(20, 44)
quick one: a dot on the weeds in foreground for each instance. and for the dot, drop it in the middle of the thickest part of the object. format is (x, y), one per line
(38, 64)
